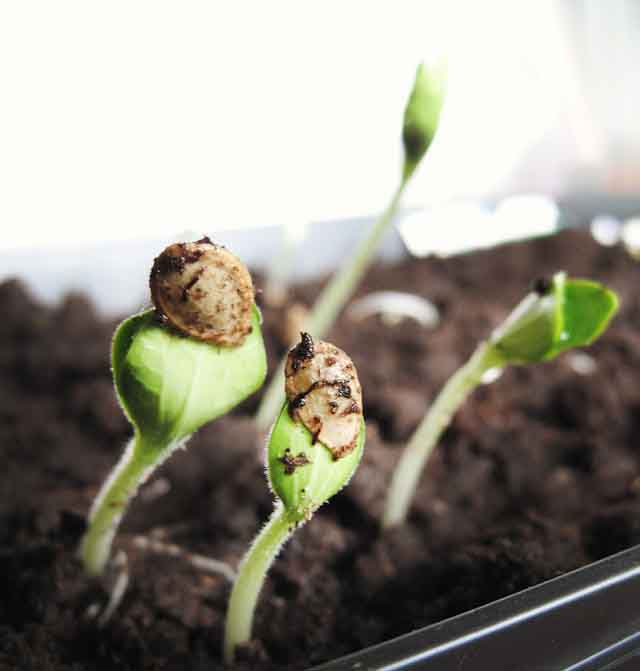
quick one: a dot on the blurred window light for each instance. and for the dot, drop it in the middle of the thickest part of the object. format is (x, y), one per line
(444, 230)
(606, 230)
(459, 227)
(203, 119)
(631, 236)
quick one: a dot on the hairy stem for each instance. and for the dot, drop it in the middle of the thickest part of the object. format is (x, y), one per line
(331, 301)
(420, 446)
(251, 575)
(110, 504)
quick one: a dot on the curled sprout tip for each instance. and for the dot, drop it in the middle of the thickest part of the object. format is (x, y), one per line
(422, 114)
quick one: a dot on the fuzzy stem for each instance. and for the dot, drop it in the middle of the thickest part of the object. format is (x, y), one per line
(331, 300)
(251, 575)
(109, 506)
(408, 470)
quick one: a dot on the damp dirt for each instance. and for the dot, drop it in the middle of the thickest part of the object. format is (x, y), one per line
(538, 474)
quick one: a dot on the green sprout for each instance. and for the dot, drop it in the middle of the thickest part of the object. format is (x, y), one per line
(171, 382)
(421, 118)
(556, 316)
(314, 448)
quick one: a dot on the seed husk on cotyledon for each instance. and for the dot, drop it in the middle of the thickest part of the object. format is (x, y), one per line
(324, 394)
(204, 291)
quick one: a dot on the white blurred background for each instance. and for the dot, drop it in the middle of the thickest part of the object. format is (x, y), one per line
(130, 120)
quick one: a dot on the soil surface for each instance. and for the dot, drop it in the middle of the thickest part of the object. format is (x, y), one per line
(538, 474)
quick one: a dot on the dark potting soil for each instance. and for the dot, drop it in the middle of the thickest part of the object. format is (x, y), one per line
(539, 474)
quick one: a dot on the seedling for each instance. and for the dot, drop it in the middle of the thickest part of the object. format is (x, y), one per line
(557, 315)
(421, 118)
(313, 450)
(175, 368)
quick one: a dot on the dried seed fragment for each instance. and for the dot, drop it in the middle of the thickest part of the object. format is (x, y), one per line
(204, 291)
(324, 394)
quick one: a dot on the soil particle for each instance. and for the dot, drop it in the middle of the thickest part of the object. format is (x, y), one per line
(291, 463)
(541, 286)
(344, 390)
(303, 351)
(166, 264)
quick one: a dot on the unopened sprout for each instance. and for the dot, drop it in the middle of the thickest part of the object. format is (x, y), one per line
(314, 448)
(557, 315)
(420, 123)
(176, 367)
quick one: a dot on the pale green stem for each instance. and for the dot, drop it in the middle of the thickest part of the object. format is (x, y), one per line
(272, 399)
(277, 280)
(330, 302)
(251, 575)
(109, 506)
(420, 446)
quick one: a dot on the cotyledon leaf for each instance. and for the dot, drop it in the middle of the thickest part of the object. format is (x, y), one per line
(170, 385)
(317, 475)
(571, 313)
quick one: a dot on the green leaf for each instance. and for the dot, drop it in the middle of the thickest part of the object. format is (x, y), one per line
(587, 308)
(170, 385)
(422, 115)
(305, 487)
(573, 313)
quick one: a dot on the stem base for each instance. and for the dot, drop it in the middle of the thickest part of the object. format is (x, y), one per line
(131, 471)
(251, 575)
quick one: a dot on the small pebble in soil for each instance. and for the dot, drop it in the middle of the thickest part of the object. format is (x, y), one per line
(582, 363)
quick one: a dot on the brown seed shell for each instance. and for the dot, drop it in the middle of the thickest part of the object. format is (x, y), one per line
(204, 291)
(324, 393)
